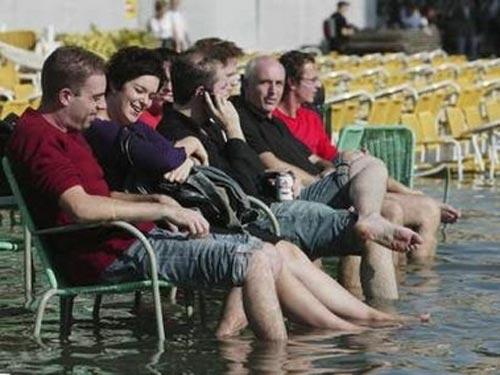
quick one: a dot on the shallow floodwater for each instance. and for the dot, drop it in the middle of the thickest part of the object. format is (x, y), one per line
(461, 290)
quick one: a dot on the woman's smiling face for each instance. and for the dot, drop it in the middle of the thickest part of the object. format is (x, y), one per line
(135, 97)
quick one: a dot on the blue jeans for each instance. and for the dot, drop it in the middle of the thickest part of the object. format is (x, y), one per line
(332, 189)
(218, 259)
(317, 229)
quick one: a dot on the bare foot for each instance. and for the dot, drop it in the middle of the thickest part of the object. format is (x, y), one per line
(374, 227)
(449, 214)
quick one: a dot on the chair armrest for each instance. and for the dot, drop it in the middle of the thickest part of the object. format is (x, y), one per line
(258, 203)
(66, 229)
(120, 224)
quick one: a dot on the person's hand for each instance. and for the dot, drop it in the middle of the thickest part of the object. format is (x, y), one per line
(181, 173)
(224, 113)
(189, 220)
(194, 148)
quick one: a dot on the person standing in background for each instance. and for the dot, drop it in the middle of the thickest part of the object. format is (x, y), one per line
(336, 28)
(168, 25)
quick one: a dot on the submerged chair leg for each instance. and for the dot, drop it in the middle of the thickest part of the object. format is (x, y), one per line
(28, 268)
(189, 302)
(97, 308)
(203, 305)
(137, 300)
(41, 310)
(66, 315)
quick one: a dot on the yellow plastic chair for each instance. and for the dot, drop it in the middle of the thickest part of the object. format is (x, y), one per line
(461, 132)
(433, 140)
(378, 112)
(493, 110)
(394, 111)
(23, 91)
(13, 106)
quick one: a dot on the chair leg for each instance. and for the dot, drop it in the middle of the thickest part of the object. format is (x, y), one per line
(173, 295)
(189, 302)
(477, 153)
(97, 308)
(66, 315)
(28, 268)
(137, 300)
(41, 310)
(202, 303)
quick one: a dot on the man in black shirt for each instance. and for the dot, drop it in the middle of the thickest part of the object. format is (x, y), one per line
(362, 183)
(336, 28)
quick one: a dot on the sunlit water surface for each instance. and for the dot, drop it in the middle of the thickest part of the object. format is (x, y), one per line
(460, 290)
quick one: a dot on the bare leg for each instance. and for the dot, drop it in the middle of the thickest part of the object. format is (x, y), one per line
(348, 275)
(373, 274)
(424, 214)
(296, 300)
(233, 318)
(367, 190)
(260, 300)
(302, 307)
(328, 291)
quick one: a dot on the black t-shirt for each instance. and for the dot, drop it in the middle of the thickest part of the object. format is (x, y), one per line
(340, 23)
(265, 134)
(233, 156)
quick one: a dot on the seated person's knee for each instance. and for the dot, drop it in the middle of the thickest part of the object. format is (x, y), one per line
(269, 257)
(393, 211)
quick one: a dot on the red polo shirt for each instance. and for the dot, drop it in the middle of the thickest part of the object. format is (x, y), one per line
(308, 128)
(47, 162)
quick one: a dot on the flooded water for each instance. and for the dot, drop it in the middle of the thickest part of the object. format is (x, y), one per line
(460, 290)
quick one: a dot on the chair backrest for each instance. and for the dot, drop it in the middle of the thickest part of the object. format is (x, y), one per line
(378, 112)
(473, 117)
(41, 245)
(395, 145)
(429, 127)
(13, 106)
(493, 110)
(394, 111)
(411, 120)
(456, 121)
(350, 138)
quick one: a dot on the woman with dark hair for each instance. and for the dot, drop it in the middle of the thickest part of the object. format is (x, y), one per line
(134, 77)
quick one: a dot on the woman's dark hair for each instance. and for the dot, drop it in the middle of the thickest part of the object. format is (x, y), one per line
(130, 63)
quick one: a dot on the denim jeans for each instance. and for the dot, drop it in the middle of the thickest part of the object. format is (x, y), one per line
(218, 259)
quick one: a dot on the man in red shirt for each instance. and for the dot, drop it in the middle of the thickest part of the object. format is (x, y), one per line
(301, 86)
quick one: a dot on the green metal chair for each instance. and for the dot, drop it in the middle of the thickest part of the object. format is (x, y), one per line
(394, 144)
(58, 286)
(350, 138)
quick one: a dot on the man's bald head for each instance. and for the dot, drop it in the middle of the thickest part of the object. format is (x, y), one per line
(264, 82)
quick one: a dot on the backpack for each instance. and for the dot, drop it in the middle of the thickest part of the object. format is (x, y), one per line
(220, 198)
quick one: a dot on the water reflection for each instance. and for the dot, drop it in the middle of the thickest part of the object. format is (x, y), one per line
(459, 289)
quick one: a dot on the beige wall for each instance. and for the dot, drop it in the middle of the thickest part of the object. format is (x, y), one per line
(254, 24)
